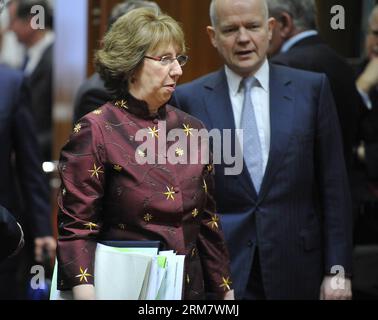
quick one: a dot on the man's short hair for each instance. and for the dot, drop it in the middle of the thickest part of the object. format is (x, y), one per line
(303, 12)
(24, 8)
(124, 7)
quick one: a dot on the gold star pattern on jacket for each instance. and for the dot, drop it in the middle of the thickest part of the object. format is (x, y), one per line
(226, 284)
(188, 130)
(96, 170)
(148, 217)
(153, 131)
(77, 128)
(121, 104)
(214, 222)
(83, 275)
(170, 193)
(91, 225)
(117, 167)
(204, 185)
(179, 152)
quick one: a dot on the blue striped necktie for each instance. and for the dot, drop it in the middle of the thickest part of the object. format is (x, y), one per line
(251, 140)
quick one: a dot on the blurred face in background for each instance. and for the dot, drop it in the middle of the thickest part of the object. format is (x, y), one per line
(20, 27)
(242, 34)
(372, 37)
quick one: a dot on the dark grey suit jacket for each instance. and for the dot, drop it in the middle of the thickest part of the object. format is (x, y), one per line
(91, 95)
(301, 219)
(40, 83)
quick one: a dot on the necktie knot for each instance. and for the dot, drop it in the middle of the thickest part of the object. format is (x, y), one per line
(248, 83)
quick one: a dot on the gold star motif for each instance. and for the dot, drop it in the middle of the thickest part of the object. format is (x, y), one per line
(153, 132)
(97, 112)
(64, 191)
(121, 104)
(141, 153)
(179, 152)
(188, 130)
(95, 171)
(214, 222)
(187, 279)
(204, 185)
(148, 217)
(170, 193)
(83, 275)
(194, 251)
(226, 284)
(117, 167)
(91, 225)
(195, 213)
(77, 128)
(210, 167)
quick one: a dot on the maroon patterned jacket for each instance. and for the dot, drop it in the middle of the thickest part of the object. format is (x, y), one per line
(106, 194)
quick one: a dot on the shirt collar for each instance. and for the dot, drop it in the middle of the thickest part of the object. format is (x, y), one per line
(300, 36)
(139, 108)
(35, 52)
(42, 44)
(234, 80)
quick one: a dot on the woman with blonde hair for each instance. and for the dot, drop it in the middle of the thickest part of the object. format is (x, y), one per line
(109, 193)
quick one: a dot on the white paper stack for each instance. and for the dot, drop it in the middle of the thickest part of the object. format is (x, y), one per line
(139, 273)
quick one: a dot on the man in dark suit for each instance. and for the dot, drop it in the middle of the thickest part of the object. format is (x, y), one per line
(37, 65)
(367, 84)
(92, 93)
(11, 235)
(296, 43)
(23, 189)
(286, 217)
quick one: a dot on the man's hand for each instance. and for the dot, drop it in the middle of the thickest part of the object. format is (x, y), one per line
(369, 78)
(336, 288)
(47, 243)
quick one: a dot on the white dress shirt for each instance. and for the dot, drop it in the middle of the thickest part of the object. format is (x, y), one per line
(260, 100)
(35, 52)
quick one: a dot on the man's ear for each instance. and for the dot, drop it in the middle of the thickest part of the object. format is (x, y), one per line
(272, 22)
(211, 33)
(286, 25)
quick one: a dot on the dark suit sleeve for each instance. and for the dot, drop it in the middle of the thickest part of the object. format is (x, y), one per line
(33, 183)
(10, 234)
(91, 95)
(333, 184)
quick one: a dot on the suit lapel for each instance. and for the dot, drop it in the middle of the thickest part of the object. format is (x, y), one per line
(221, 116)
(281, 124)
(218, 103)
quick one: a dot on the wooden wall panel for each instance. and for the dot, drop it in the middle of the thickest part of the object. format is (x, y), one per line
(193, 16)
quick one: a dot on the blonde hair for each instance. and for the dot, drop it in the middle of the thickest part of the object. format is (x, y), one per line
(127, 42)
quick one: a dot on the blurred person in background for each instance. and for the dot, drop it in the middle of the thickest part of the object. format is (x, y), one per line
(23, 189)
(37, 64)
(296, 43)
